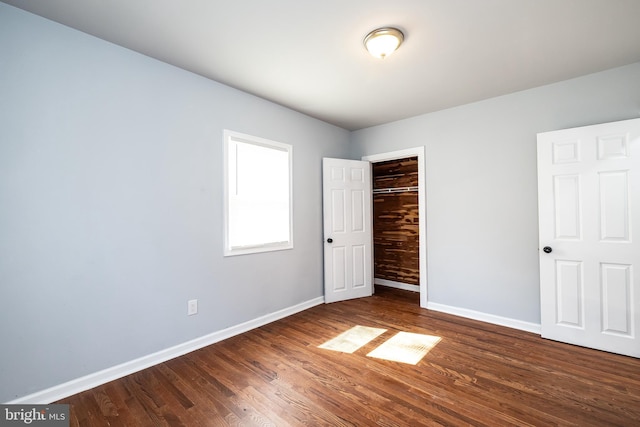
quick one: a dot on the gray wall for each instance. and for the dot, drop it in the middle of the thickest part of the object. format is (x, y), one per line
(111, 205)
(482, 228)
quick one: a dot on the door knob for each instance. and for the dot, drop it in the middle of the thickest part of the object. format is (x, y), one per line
(329, 240)
(547, 249)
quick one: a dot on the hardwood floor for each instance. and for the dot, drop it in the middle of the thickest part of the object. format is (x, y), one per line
(478, 374)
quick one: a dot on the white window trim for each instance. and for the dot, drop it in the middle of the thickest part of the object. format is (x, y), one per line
(268, 247)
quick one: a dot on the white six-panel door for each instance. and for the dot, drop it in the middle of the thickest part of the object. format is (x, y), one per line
(347, 229)
(589, 213)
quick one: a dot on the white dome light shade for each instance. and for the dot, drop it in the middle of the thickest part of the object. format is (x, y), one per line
(383, 41)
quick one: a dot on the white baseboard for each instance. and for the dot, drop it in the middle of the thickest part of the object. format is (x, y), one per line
(397, 285)
(484, 317)
(95, 379)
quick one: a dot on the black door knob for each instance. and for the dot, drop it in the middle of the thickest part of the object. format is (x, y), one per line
(547, 249)
(329, 240)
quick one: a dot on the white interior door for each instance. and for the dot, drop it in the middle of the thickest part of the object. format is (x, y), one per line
(348, 256)
(589, 209)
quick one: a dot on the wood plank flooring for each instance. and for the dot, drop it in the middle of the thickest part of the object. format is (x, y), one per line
(478, 374)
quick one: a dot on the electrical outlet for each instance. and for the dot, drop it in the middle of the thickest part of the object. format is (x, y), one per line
(192, 307)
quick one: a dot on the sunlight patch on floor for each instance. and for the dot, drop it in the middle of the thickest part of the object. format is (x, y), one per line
(405, 347)
(352, 339)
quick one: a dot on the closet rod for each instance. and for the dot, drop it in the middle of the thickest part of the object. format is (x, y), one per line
(394, 190)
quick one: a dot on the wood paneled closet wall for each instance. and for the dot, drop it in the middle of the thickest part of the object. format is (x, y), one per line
(395, 221)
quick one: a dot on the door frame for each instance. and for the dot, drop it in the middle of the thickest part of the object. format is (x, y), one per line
(422, 208)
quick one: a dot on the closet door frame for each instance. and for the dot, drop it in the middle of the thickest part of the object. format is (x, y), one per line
(418, 152)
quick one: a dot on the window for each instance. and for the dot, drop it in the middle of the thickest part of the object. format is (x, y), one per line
(258, 207)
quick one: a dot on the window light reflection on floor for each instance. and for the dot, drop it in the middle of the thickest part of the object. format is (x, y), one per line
(405, 347)
(352, 339)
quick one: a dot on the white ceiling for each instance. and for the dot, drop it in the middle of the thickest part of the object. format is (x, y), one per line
(308, 55)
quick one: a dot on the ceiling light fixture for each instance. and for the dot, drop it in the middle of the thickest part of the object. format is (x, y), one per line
(383, 42)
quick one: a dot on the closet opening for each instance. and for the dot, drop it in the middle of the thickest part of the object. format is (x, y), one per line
(396, 223)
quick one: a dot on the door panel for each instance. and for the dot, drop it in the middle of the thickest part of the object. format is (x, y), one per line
(338, 211)
(567, 206)
(569, 293)
(589, 215)
(616, 301)
(339, 268)
(347, 229)
(614, 206)
(359, 265)
(357, 211)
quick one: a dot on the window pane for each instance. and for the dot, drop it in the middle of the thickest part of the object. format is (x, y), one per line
(258, 194)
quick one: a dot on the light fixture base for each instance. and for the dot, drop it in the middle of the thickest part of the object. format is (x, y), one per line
(382, 42)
